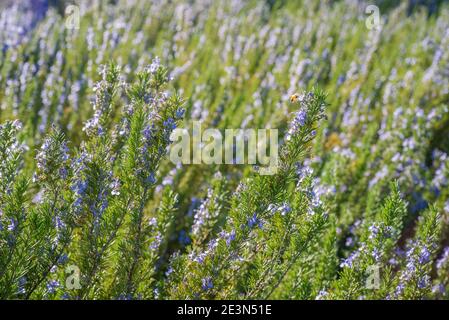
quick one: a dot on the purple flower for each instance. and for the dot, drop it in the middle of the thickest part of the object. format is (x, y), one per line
(285, 209)
(169, 271)
(180, 113)
(148, 132)
(115, 187)
(399, 289)
(183, 238)
(349, 262)
(439, 289)
(151, 179)
(349, 241)
(21, 285)
(198, 257)
(424, 256)
(152, 222)
(52, 285)
(298, 121)
(12, 225)
(303, 171)
(207, 283)
(63, 259)
(300, 118)
(374, 231)
(321, 295)
(376, 254)
(253, 221)
(154, 66)
(65, 296)
(156, 242)
(228, 236)
(424, 282)
(444, 258)
(170, 124)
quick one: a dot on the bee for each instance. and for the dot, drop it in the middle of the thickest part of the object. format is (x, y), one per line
(333, 141)
(294, 98)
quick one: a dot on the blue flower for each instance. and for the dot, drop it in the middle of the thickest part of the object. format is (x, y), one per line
(399, 289)
(65, 296)
(183, 238)
(148, 132)
(349, 241)
(230, 237)
(376, 254)
(349, 262)
(12, 225)
(424, 256)
(151, 179)
(300, 118)
(298, 121)
(170, 124)
(424, 282)
(321, 295)
(284, 209)
(180, 113)
(154, 66)
(444, 258)
(153, 222)
(156, 242)
(63, 259)
(374, 231)
(169, 271)
(115, 187)
(439, 289)
(52, 285)
(21, 285)
(253, 221)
